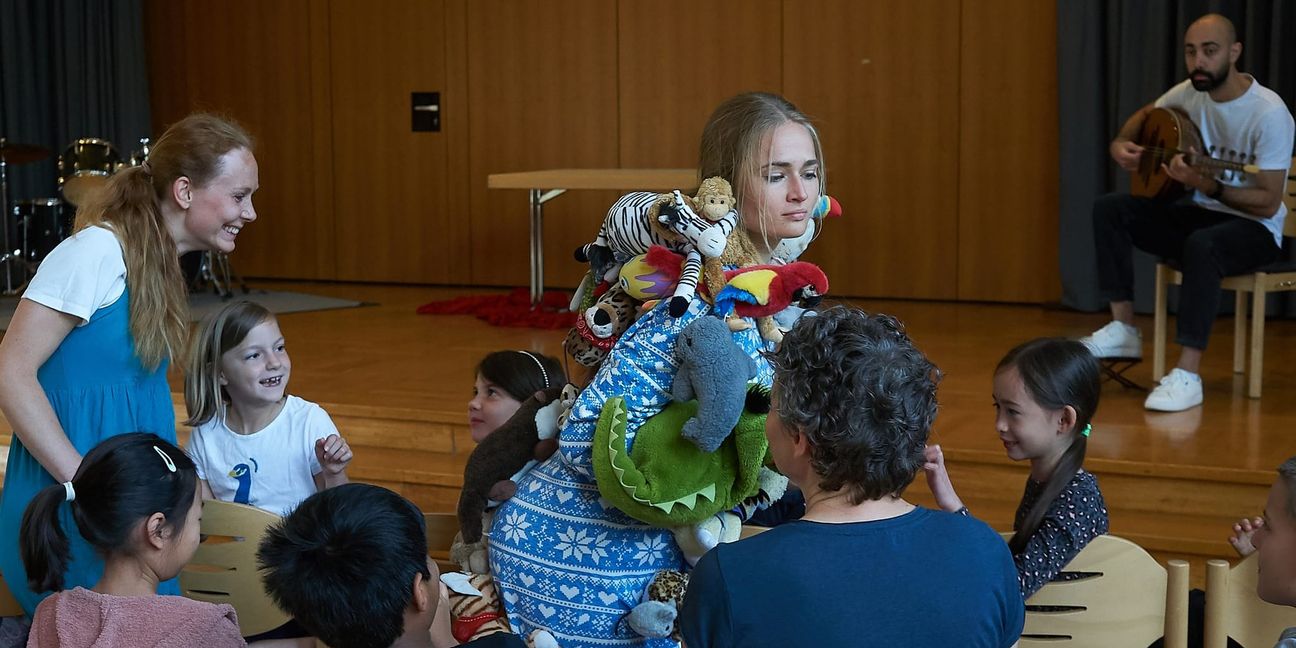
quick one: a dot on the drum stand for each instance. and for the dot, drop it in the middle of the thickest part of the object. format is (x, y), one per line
(217, 271)
(9, 256)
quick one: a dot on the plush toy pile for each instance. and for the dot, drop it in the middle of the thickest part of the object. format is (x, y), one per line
(613, 491)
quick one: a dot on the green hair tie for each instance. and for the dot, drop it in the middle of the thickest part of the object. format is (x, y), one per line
(1087, 429)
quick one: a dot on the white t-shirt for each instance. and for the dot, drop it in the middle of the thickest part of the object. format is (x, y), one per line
(82, 274)
(1255, 128)
(273, 469)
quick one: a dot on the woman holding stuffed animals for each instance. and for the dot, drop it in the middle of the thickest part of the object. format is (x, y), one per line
(564, 559)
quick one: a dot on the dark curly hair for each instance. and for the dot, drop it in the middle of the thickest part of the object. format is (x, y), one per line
(863, 395)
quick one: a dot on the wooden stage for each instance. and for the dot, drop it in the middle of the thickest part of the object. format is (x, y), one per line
(397, 385)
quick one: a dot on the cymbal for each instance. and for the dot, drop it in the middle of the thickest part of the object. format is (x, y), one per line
(14, 153)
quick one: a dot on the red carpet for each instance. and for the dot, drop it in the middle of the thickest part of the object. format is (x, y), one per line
(511, 309)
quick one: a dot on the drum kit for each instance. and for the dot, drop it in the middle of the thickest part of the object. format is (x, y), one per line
(32, 228)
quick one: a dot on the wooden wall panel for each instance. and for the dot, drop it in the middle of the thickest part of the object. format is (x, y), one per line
(391, 184)
(881, 81)
(255, 62)
(938, 120)
(675, 69)
(1008, 170)
(542, 93)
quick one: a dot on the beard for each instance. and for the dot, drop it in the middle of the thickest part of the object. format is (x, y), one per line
(1207, 80)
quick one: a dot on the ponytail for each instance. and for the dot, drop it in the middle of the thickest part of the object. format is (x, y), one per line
(44, 545)
(120, 482)
(131, 206)
(1070, 463)
(1057, 373)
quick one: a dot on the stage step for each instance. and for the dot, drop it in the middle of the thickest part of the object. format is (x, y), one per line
(417, 453)
(1170, 510)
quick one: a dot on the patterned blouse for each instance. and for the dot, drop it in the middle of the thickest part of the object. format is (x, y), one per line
(1077, 516)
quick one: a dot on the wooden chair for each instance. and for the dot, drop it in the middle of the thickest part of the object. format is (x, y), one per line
(1275, 277)
(442, 530)
(1118, 596)
(749, 530)
(1234, 610)
(8, 604)
(224, 569)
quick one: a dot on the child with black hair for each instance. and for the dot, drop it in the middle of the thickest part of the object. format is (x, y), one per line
(135, 499)
(350, 565)
(1045, 395)
(504, 380)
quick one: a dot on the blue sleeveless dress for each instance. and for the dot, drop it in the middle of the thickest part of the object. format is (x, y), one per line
(563, 559)
(98, 389)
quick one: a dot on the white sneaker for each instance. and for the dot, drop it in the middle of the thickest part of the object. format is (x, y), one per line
(1178, 391)
(1116, 340)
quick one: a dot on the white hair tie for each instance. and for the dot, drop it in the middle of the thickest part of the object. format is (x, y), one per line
(538, 364)
(71, 492)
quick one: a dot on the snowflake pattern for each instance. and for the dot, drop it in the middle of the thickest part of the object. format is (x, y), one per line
(649, 549)
(581, 543)
(515, 526)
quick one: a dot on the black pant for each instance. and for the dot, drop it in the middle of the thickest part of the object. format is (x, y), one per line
(1207, 245)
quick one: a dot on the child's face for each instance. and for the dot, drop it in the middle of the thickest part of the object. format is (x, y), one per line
(489, 408)
(786, 186)
(1275, 543)
(1027, 430)
(256, 371)
(184, 542)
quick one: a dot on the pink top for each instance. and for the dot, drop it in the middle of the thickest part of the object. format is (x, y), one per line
(80, 618)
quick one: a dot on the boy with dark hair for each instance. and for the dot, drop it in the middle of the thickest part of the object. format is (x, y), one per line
(350, 565)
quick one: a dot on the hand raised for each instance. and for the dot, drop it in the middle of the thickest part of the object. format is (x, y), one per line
(1243, 532)
(333, 454)
(938, 480)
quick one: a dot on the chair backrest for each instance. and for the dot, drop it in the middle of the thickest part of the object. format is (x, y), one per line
(1289, 197)
(749, 530)
(1234, 610)
(8, 604)
(442, 531)
(224, 569)
(1112, 594)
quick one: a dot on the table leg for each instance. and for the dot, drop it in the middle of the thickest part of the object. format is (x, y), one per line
(537, 247)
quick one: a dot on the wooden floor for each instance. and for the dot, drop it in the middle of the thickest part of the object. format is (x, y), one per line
(397, 384)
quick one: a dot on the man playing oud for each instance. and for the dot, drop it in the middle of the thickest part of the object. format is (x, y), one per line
(1233, 223)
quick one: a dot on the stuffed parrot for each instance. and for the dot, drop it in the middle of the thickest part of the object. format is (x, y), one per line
(763, 290)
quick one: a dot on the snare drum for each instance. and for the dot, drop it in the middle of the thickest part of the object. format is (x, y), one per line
(84, 168)
(39, 225)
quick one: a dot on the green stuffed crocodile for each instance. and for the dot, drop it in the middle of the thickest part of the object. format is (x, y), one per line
(666, 480)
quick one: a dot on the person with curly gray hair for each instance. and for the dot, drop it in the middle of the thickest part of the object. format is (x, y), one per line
(853, 402)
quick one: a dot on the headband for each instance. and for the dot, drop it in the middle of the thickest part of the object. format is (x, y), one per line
(538, 364)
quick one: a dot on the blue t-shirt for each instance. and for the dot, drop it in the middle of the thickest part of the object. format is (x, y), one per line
(925, 578)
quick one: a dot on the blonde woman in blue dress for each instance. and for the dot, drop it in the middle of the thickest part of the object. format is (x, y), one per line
(86, 354)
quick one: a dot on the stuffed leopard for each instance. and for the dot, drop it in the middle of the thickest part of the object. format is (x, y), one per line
(599, 326)
(657, 615)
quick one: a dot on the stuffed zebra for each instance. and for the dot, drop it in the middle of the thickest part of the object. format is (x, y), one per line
(642, 219)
